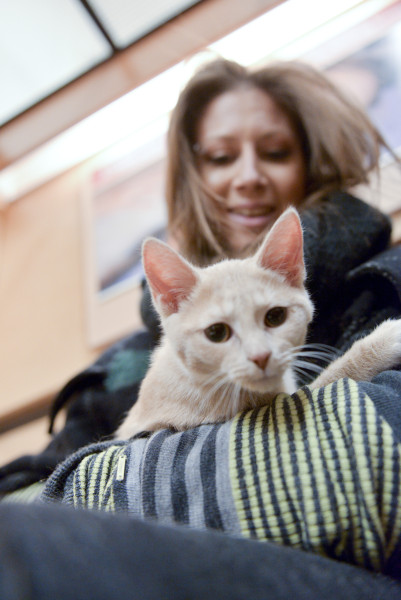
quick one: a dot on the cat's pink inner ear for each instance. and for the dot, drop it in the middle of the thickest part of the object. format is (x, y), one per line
(171, 278)
(282, 249)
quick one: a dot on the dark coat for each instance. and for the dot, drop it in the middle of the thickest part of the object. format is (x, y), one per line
(355, 283)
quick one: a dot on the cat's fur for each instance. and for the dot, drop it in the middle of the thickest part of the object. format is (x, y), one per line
(194, 380)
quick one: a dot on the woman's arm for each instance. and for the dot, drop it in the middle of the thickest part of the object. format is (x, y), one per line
(318, 470)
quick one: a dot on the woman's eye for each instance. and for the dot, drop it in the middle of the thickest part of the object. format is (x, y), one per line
(275, 154)
(220, 159)
(218, 332)
(275, 316)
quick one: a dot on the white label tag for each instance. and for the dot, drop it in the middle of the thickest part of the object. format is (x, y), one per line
(121, 467)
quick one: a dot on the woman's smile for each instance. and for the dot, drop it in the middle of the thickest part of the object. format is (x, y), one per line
(256, 216)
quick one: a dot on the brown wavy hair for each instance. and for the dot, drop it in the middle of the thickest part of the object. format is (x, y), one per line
(340, 144)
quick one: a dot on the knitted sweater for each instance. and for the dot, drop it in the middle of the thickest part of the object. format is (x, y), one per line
(320, 471)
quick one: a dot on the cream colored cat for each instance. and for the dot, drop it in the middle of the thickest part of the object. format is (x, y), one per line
(232, 332)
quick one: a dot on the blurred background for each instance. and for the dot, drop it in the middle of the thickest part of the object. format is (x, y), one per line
(86, 92)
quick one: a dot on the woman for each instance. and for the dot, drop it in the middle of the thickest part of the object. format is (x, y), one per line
(242, 145)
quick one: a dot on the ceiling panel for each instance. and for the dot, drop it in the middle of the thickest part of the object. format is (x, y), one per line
(43, 46)
(126, 20)
(46, 44)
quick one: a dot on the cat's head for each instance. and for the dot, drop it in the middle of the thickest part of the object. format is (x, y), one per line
(238, 318)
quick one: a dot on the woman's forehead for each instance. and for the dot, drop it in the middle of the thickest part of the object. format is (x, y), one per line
(241, 110)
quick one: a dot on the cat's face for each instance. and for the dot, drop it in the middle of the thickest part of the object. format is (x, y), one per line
(240, 324)
(238, 320)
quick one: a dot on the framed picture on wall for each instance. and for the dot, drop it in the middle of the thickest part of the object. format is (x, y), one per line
(365, 61)
(122, 204)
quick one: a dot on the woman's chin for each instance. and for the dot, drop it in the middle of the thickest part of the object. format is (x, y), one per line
(245, 230)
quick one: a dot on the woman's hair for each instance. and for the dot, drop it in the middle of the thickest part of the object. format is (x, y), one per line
(340, 143)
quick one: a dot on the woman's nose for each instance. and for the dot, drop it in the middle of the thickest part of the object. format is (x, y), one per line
(249, 172)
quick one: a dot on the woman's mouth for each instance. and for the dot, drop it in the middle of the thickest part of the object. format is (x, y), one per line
(252, 215)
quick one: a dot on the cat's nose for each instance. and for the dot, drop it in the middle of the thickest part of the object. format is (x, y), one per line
(261, 360)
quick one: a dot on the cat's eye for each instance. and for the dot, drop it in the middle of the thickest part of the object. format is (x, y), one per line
(218, 332)
(275, 316)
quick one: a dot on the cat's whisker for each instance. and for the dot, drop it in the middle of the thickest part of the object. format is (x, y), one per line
(306, 371)
(220, 383)
(301, 365)
(219, 396)
(238, 372)
(255, 399)
(316, 346)
(225, 399)
(235, 400)
(233, 404)
(215, 378)
(231, 398)
(318, 356)
(320, 351)
(211, 388)
(310, 359)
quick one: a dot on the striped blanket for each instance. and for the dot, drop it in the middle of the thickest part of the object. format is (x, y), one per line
(316, 470)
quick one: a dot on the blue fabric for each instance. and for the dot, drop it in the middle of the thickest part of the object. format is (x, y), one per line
(57, 553)
(385, 392)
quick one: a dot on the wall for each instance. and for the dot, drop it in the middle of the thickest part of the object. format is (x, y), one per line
(42, 317)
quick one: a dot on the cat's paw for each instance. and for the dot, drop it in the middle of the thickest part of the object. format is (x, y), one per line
(383, 345)
(367, 357)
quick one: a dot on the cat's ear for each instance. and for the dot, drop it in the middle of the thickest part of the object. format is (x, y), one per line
(282, 249)
(171, 278)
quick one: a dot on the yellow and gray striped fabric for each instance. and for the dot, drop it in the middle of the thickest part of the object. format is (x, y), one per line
(316, 470)
(319, 471)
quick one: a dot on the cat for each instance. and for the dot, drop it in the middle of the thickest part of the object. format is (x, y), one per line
(232, 333)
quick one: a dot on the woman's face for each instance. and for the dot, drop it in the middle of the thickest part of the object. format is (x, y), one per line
(250, 155)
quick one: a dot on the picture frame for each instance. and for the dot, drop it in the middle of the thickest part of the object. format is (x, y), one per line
(122, 204)
(364, 60)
